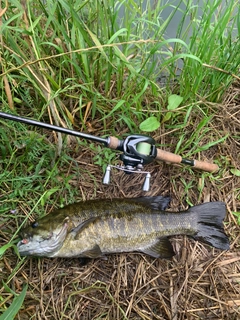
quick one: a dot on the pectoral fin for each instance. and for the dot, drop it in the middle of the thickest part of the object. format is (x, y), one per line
(82, 226)
(95, 252)
(161, 249)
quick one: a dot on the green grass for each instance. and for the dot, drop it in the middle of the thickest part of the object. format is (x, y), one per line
(57, 59)
(82, 51)
(74, 62)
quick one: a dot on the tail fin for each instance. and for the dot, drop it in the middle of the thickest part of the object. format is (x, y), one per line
(209, 224)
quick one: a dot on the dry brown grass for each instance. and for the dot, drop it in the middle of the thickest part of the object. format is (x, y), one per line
(198, 283)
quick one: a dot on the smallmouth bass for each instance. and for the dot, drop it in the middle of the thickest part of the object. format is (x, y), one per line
(96, 227)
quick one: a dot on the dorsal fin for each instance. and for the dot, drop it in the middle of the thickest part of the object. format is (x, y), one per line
(155, 203)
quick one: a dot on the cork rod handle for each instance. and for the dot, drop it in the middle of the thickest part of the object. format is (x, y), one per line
(174, 158)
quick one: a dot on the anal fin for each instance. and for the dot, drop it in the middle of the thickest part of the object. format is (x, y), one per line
(161, 249)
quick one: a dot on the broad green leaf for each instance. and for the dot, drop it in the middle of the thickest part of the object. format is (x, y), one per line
(150, 124)
(15, 306)
(174, 101)
(235, 172)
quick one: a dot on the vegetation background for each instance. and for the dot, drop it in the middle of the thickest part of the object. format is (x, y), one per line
(108, 68)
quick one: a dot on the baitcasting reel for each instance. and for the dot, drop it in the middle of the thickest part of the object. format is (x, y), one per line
(138, 150)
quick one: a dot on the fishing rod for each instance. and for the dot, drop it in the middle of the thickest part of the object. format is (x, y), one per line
(137, 150)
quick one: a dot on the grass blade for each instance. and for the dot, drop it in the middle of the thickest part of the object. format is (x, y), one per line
(15, 306)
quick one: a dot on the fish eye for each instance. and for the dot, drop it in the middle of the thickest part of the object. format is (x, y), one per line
(34, 224)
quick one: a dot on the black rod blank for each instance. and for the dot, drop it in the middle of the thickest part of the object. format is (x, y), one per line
(53, 127)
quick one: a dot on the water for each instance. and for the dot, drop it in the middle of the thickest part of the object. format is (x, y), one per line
(198, 5)
(178, 8)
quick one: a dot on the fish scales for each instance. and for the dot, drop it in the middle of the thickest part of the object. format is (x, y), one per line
(134, 231)
(96, 227)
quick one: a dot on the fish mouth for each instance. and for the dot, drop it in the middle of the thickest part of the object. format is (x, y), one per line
(42, 246)
(27, 240)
